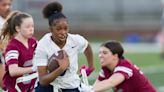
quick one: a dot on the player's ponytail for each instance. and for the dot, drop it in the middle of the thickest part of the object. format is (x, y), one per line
(9, 28)
(7, 31)
(53, 11)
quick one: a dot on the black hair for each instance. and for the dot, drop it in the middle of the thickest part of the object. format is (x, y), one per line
(115, 47)
(53, 11)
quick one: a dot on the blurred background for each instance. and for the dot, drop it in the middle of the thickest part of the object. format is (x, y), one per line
(136, 23)
(103, 19)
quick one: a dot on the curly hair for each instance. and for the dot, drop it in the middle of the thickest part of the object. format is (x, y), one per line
(53, 11)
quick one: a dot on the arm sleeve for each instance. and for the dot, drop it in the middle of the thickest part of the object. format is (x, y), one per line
(11, 55)
(82, 43)
(101, 75)
(104, 74)
(40, 57)
(127, 72)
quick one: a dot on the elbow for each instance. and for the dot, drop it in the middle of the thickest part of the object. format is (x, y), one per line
(12, 74)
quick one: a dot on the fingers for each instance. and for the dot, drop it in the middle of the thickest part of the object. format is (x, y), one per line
(65, 60)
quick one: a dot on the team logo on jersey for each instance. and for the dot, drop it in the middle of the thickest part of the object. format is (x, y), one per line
(73, 47)
(33, 45)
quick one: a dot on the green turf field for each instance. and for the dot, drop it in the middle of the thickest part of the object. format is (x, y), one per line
(151, 64)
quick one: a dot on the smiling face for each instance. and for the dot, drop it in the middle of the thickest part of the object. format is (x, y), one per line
(59, 30)
(106, 57)
(5, 7)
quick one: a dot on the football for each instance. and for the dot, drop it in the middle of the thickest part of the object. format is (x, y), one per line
(52, 62)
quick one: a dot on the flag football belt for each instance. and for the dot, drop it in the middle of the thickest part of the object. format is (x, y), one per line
(25, 78)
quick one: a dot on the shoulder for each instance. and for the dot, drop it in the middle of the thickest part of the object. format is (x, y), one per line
(77, 38)
(124, 67)
(44, 42)
(45, 38)
(74, 36)
(12, 45)
(124, 62)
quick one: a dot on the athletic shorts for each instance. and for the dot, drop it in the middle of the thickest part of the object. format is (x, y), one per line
(49, 88)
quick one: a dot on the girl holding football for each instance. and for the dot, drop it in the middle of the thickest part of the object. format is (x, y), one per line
(59, 39)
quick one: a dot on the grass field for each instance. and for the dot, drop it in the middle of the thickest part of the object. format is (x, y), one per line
(150, 63)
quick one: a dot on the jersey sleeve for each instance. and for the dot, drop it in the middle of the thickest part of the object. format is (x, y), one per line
(104, 74)
(125, 71)
(82, 43)
(11, 55)
(40, 57)
(101, 75)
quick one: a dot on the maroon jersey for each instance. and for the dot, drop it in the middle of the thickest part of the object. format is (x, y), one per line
(17, 53)
(134, 81)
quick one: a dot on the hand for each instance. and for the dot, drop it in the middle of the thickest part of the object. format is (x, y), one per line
(63, 62)
(87, 69)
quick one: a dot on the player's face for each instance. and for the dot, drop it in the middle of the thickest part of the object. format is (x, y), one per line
(105, 56)
(5, 7)
(26, 29)
(60, 30)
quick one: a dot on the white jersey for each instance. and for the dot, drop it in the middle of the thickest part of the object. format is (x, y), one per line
(2, 20)
(74, 45)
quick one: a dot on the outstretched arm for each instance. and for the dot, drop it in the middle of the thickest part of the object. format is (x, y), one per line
(113, 81)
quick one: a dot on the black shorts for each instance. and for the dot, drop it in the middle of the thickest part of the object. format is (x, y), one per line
(70, 90)
(49, 88)
(0, 61)
(40, 88)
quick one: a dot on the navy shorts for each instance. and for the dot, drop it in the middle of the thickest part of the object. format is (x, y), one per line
(40, 88)
(49, 88)
(70, 90)
(0, 61)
